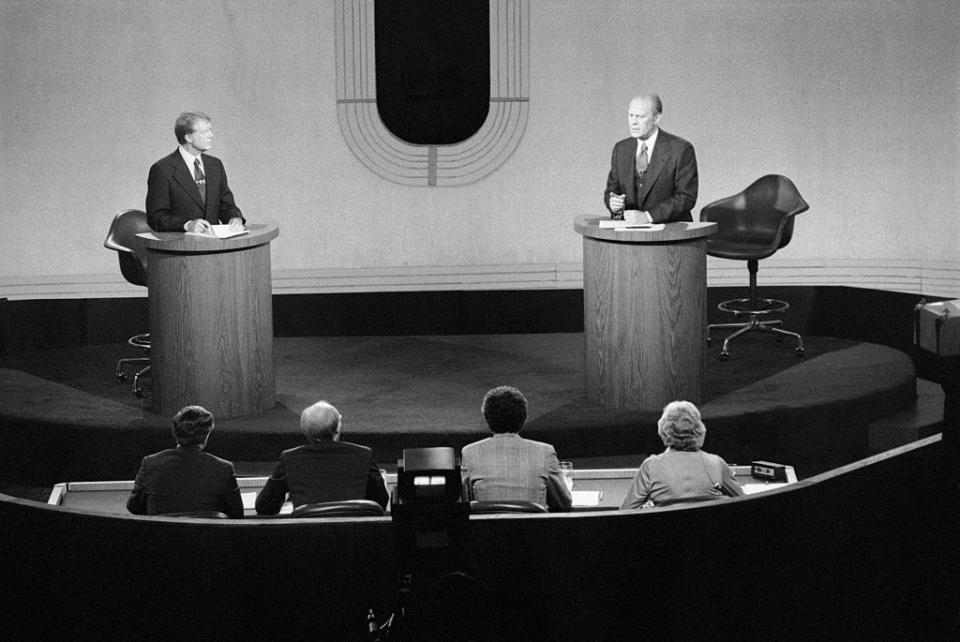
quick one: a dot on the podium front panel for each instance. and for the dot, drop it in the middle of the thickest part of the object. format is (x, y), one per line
(211, 326)
(645, 315)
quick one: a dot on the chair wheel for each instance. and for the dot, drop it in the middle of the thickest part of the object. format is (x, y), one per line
(799, 352)
(138, 393)
(709, 342)
(121, 376)
(724, 356)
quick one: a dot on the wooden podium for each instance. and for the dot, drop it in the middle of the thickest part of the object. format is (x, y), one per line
(644, 313)
(211, 322)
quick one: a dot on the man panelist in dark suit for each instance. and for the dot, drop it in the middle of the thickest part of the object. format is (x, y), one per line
(187, 191)
(653, 174)
(186, 479)
(324, 470)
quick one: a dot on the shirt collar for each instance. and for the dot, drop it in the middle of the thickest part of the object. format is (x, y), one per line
(650, 141)
(188, 158)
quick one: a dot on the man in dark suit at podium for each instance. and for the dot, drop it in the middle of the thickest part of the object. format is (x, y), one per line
(324, 470)
(653, 174)
(186, 479)
(187, 191)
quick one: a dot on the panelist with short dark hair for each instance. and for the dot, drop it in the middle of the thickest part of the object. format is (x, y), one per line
(653, 174)
(507, 467)
(682, 470)
(186, 479)
(325, 469)
(187, 191)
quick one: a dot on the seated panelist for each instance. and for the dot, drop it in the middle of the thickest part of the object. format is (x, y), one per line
(186, 479)
(507, 467)
(187, 191)
(682, 470)
(325, 469)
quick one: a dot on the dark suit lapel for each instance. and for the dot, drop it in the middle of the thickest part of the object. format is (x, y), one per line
(182, 175)
(628, 168)
(661, 152)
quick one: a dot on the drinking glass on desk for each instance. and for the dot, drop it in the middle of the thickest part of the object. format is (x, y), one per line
(566, 471)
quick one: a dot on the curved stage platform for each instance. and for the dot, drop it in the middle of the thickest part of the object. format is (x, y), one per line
(65, 418)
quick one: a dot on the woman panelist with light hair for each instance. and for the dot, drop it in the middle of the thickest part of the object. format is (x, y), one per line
(682, 471)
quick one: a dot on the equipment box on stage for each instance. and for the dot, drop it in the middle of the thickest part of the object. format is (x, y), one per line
(937, 328)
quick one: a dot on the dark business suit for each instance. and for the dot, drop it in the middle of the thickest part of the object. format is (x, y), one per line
(173, 197)
(185, 479)
(670, 182)
(324, 471)
(508, 467)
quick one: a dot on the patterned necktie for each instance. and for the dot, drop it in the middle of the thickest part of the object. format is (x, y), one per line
(642, 159)
(200, 179)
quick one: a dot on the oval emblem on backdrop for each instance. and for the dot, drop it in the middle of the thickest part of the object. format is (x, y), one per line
(433, 68)
(390, 151)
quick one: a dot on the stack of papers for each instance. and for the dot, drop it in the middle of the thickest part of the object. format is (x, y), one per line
(623, 226)
(220, 231)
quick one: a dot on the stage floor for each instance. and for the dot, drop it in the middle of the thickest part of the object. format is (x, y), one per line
(65, 418)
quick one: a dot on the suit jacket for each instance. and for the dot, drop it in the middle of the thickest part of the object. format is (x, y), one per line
(185, 479)
(173, 197)
(670, 182)
(508, 467)
(325, 471)
(674, 474)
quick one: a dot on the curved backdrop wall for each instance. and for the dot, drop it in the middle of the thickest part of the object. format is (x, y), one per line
(856, 102)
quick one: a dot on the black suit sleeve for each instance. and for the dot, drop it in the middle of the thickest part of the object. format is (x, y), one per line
(376, 489)
(137, 502)
(233, 500)
(685, 188)
(160, 215)
(228, 208)
(272, 495)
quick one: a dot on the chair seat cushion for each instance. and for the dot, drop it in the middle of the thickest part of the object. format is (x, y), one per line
(739, 250)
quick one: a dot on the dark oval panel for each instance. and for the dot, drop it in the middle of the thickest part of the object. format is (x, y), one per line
(433, 68)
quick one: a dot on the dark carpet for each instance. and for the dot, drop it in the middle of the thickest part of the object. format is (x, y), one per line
(63, 416)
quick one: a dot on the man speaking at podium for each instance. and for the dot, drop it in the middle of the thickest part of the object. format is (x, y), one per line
(187, 191)
(653, 174)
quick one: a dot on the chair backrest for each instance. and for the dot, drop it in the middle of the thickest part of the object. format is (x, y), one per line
(204, 514)
(690, 499)
(345, 508)
(131, 249)
(763, 213)
(506, 506)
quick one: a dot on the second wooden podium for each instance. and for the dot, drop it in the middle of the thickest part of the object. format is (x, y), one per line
(211, 322)
(644, 313)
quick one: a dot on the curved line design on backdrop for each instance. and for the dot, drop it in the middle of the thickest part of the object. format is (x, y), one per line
(433, 165)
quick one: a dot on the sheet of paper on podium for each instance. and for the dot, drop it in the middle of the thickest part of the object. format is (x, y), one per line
(220, 231)
(624, 226)
(587, 497)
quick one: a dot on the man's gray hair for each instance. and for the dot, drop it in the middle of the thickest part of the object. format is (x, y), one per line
(320, 422)
(186, 123)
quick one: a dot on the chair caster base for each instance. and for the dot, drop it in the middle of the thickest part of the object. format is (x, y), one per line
(724, 356)
(799, 352)
(121, 376)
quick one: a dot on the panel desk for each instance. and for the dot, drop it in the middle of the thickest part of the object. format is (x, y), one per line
(608, 486)
(211, 321)
(644, 312)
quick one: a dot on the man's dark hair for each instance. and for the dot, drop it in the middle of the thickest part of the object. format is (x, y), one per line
(192, 425)
(505, 409)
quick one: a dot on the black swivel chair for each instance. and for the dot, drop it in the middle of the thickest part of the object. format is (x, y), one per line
(753, 225)
(345, 508)
(132, 253)
(506, 506)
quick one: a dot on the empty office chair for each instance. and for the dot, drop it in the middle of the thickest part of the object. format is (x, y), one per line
(132, 253)
(345, 508)
(752, 225)
(203, 514)
(506, 506)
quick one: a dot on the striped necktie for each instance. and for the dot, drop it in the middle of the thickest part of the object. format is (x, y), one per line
(200, 179)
